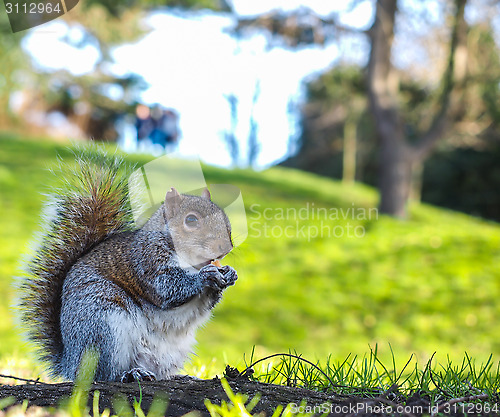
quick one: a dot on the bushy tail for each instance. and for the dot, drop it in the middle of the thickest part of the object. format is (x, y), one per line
(92, 205)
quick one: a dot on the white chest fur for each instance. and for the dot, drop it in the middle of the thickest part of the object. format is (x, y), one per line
(156, 340)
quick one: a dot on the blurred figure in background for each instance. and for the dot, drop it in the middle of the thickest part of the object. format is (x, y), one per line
(158, 136)
(143, 123)
(157, 130)
(170, 121)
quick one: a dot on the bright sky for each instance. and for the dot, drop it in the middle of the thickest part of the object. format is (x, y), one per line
(191, 63)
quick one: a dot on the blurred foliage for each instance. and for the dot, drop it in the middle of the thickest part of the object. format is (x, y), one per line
(108, 23)
(12, 61)
(464, 179)
(118, 7)
(104, 24)
(105, 29)
(70, 95)
(296, 28)
(429, 284)
(333, 99)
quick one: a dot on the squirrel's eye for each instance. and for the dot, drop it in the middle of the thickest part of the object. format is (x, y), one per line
(191, 220)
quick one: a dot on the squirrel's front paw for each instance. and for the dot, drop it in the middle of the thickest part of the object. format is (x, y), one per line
(212, 277)
(229, 273)
(138, 374)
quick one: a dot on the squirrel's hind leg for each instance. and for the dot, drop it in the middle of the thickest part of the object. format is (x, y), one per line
(85, 324)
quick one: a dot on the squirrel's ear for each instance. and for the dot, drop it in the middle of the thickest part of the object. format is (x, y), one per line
(172, 203)
(206, 194)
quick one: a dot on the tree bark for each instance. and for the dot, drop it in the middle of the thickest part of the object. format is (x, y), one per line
(416, 181)
(395, 177)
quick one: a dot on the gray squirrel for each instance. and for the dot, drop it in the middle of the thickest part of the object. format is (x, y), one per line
(97, 282)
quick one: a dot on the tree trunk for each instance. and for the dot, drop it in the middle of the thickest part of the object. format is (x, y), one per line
(396, 155)
(349, 154)
(416, 181)
(395, 177)
(394, 169)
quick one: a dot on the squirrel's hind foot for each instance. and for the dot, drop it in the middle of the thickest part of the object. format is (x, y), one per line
(137, 374)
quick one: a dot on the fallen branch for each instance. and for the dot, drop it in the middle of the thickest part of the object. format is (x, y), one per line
(184, 394)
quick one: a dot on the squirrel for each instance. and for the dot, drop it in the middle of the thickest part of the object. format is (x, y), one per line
(97, 282)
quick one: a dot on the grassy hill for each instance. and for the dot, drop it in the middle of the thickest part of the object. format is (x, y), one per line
(320, 271)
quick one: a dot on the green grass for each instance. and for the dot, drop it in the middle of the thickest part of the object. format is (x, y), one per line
(369, 376)
(429, 284)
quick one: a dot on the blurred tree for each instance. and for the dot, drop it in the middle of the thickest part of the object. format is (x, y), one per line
(301, 27)
(474, 132)
(107, 23)
(90, 103)
(230, 134)
(464, 172)
(253, 140)
(399, 149)
(103, 24)
(398, 154)
(86, 102)
(333, 119)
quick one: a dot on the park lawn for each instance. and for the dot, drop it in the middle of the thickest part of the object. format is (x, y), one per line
(427, 284)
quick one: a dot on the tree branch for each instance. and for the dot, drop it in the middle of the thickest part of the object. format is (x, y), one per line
(185, 394)
(453, 80)
(301, 27)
